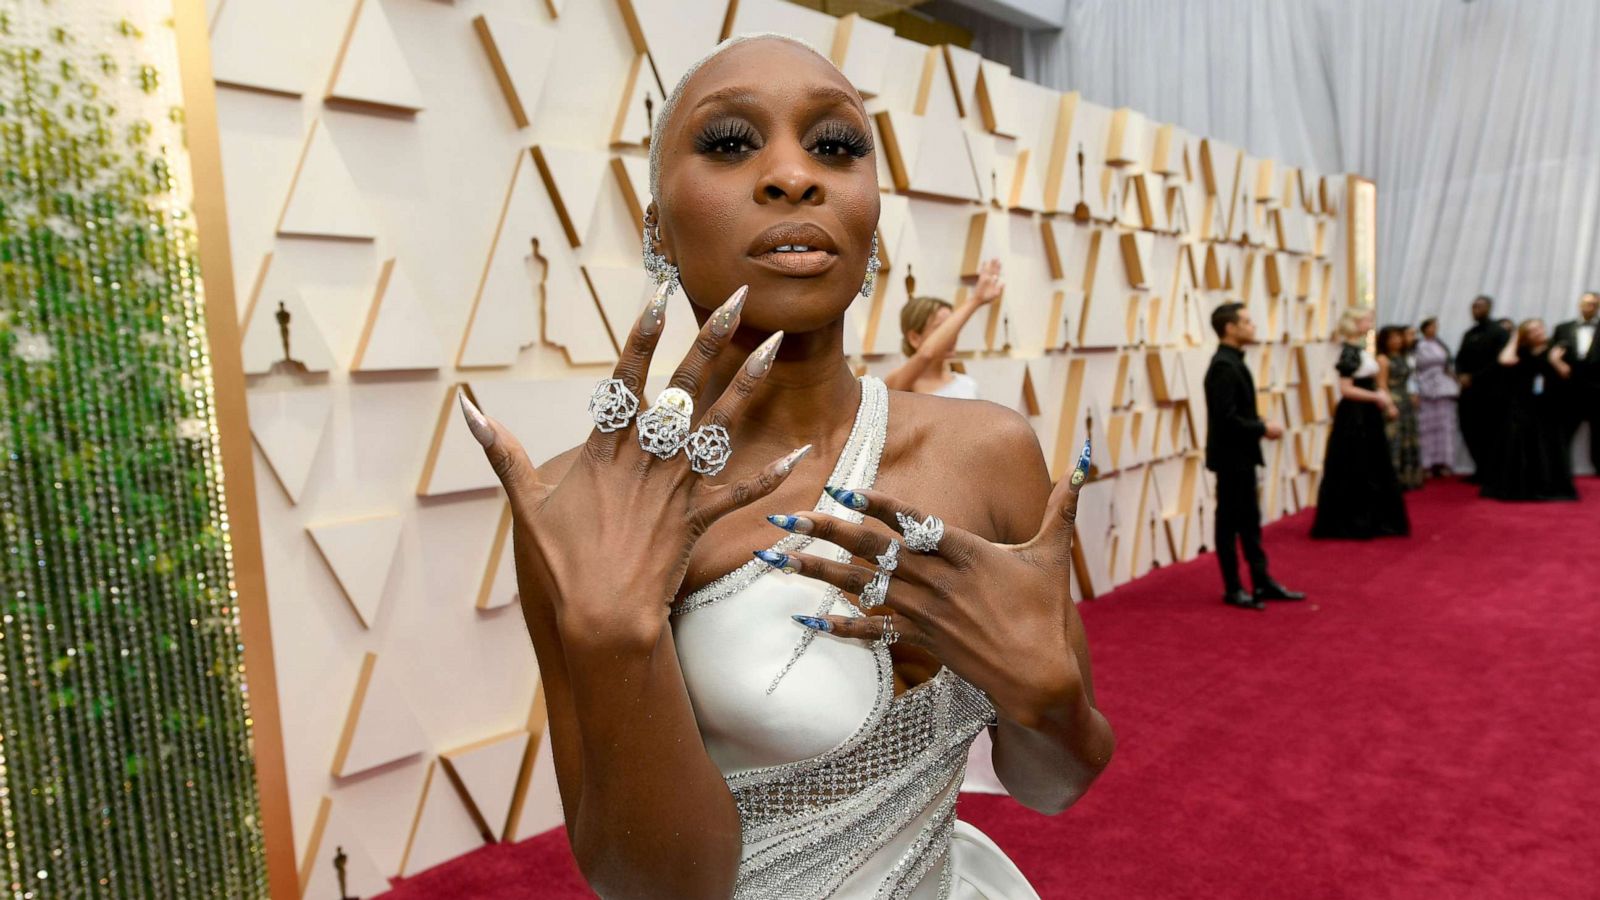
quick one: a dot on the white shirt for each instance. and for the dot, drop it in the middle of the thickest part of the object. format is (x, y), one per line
(1586, 337)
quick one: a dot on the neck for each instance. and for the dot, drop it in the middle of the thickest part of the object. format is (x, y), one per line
(810, 391)
(1233, 342)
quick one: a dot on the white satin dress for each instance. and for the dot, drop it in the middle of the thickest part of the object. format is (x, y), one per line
(844, 790)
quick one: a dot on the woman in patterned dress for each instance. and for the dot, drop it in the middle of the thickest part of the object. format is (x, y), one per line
(1405, 450)
(1437, 391)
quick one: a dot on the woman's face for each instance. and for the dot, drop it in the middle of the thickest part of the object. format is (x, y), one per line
(1364, 324)
(1430, 330)
(769, 147)
(1535, 332)
(1393, 342)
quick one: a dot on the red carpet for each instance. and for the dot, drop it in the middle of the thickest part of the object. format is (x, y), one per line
(1426, 725)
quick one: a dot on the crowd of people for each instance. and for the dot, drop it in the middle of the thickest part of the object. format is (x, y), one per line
(1518, 392)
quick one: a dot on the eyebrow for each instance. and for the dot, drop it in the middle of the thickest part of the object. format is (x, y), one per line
(744, 96)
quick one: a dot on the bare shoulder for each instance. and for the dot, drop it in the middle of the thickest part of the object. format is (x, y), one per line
(987, 447)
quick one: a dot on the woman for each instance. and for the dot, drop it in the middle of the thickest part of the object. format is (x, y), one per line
(1395, 372)
(1532, 463)
(1436, 409)
(929, 328)
(1359, 496)
(727, 726)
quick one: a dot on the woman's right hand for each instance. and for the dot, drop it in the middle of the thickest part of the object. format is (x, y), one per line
(608, 544)
(990, 285)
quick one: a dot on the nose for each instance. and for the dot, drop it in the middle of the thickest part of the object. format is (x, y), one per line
(790, 175)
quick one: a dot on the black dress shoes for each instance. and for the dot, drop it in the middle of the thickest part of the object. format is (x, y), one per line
(1242, 600)
(1275, 591)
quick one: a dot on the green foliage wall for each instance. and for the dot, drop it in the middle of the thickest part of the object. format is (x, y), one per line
(125, 755)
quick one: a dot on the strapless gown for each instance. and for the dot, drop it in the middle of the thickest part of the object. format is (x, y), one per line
(843, 789)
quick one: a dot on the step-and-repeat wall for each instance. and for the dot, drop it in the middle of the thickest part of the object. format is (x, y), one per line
(427, 194)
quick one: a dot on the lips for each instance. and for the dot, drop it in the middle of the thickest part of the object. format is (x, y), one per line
(796, 249)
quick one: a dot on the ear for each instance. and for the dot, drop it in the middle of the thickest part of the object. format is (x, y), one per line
(914, 338)
(654, 233)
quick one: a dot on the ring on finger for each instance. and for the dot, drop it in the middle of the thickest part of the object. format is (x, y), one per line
(709, 449)
(889, 560)
(664, 427)
(876, 593)
(890, 634)
(924, 536)
(612, 405)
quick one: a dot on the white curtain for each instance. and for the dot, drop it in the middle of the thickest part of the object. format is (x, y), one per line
(1479, 121)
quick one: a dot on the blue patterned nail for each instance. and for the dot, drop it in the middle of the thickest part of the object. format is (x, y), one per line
(779, 561)
(1082, 471)
(846, 498)
(787, 523)
(813, 623)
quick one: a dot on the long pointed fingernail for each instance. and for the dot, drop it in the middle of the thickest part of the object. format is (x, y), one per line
(477, 423)
(846, 498)
(779, 561)
(813, 622)
(791, 523)
(655, 312)
(787, 464)
(727, 315)
(761, 360)
(1082, 470)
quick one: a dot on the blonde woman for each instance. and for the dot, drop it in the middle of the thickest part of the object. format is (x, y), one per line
(929, 327)
(1360, 495)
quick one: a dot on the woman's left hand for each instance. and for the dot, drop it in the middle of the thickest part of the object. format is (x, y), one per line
(977, 606)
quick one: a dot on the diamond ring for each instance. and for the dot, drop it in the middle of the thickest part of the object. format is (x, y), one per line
(709, 449)
(664, 427)
(612, 406)
(924, 536)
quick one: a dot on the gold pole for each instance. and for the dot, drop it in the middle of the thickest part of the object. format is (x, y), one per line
(233, 427)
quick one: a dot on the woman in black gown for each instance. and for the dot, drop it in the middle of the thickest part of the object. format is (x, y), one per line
(1532, 462)
(1360, 495)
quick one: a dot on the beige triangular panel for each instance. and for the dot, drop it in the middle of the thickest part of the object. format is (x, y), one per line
(486, 772)
(323, 198)
(573, 177)
(540, 810)
(996, 104)
(455, 462)
(336, 846)
(262, 45)
(899, 143)
(964, 67)
(399, 333)
(505, 312)
(519, 52)
(499, 586)
(371, 71)
(675, 34)
(861, 51)
(380, 726)
(532, 287)
(443, 829)
(550, 415)
(622, 292)
(277, 315)
(360, 552)
(555, 7)
(633, 182)
(640, 103)
(1000, 380)
(944, 164)
(288, 426)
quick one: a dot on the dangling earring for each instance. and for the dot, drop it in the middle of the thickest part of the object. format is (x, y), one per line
(873, 265)
(657, 265)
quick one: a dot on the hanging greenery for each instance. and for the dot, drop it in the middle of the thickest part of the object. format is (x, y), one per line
(125, 756)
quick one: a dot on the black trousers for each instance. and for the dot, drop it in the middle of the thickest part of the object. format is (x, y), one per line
(1480, 414)
(1239, 519)
(1586, 408)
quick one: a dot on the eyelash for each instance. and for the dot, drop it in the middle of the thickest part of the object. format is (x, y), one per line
(716, 135)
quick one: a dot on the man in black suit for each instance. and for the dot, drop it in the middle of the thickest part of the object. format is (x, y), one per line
(1583, 387)
(1233, 450)
(1479, 408)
